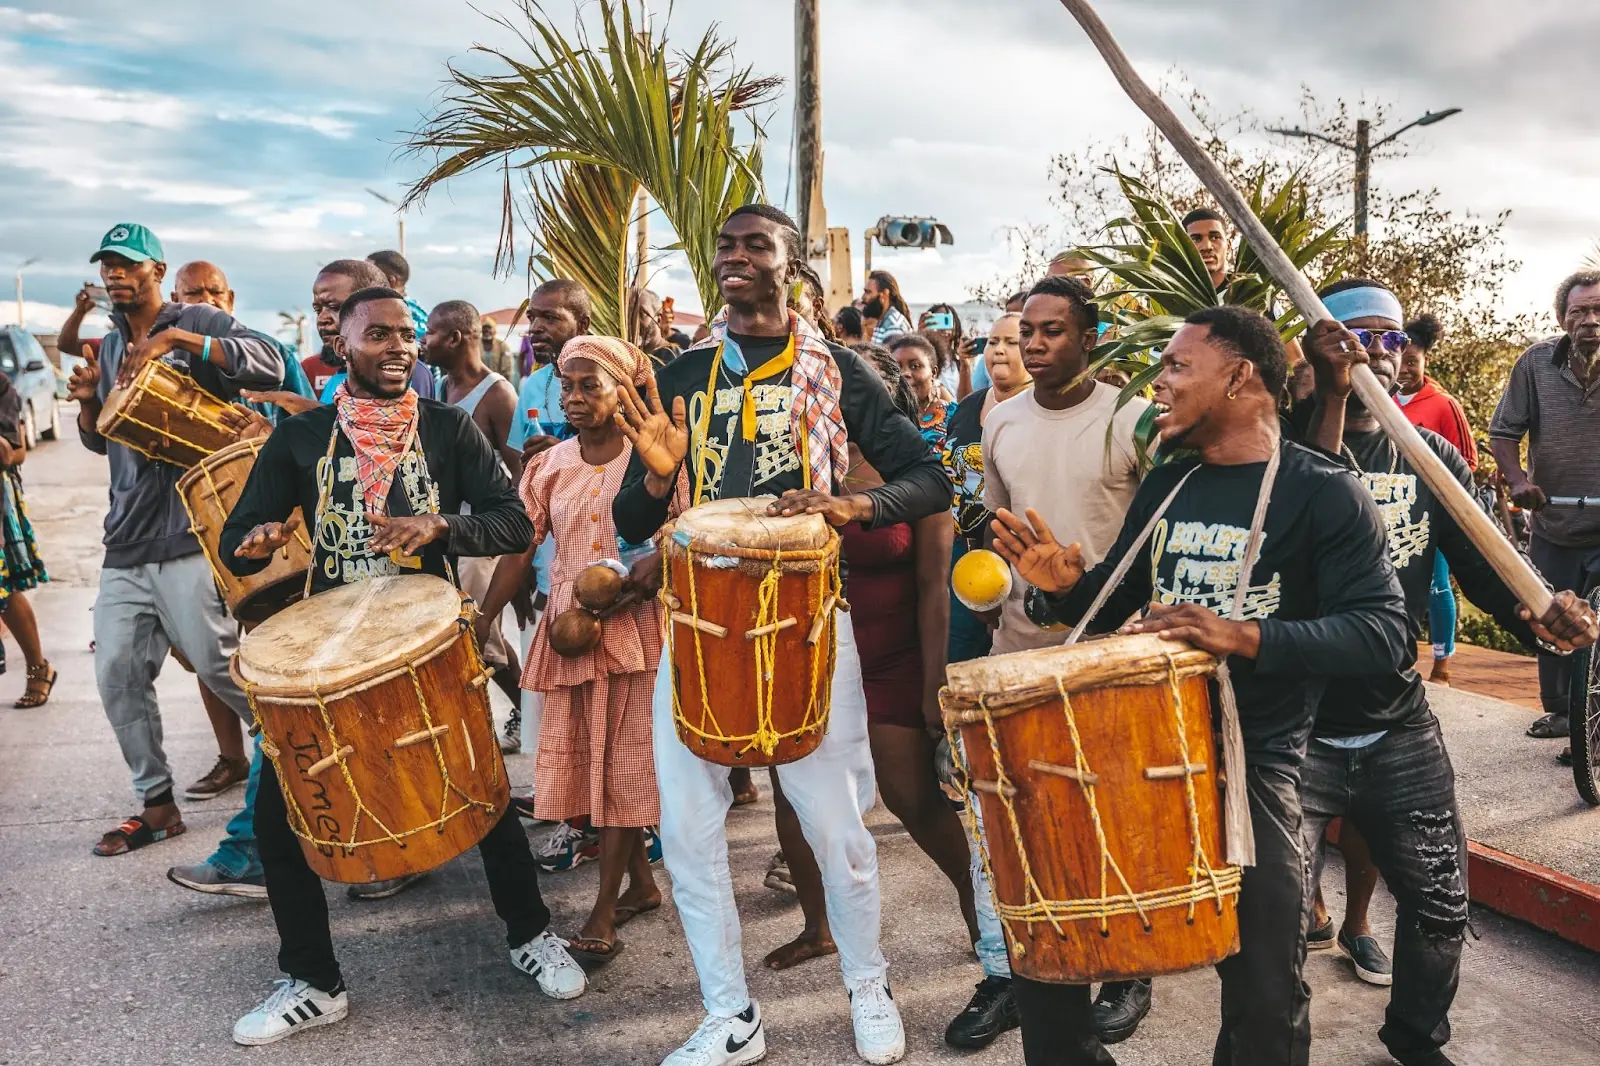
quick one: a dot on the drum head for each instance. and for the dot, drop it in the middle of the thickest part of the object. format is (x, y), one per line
(744, 523)
(115, 401)
(1088, 664)
(352, 632)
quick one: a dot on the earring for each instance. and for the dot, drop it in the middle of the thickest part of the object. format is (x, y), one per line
(1232, 396)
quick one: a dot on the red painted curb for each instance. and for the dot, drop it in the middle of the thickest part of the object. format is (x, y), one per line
(1535, 894)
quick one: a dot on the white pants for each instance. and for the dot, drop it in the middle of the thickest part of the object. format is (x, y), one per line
(831, 790)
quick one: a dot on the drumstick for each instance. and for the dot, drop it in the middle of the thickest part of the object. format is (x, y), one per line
(1513, 569)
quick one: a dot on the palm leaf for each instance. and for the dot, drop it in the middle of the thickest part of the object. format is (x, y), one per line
(620, 102)
(580, 214)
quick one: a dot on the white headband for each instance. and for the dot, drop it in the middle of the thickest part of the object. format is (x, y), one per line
(1367, 301)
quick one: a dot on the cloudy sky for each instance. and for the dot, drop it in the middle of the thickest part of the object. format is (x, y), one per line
(246, 134)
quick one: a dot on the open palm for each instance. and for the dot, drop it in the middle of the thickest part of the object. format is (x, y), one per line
(661, 442)
(1028, 545)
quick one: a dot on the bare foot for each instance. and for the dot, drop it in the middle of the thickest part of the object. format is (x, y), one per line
(1441, 672)
(163, 817)
(803, 947)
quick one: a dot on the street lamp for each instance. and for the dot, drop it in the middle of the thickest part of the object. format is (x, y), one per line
(1363, 149)
(24, 265)
(399, 216)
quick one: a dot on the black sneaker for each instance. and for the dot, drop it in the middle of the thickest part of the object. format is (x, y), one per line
(991, 1011)
(1119, 1008)
(1371, 964)
(1424, 1058)
(1321, 937)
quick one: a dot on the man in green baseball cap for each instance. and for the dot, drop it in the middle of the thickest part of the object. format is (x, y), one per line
(131, 241)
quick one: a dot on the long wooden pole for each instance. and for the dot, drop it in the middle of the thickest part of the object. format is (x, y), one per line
(1506, 560)
(807, 117)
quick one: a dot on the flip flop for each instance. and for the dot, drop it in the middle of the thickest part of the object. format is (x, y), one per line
(625, 914)
(1546, 728)
(135, 833)
(594, 952)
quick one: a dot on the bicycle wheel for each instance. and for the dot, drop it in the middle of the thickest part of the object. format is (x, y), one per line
(1583, 716)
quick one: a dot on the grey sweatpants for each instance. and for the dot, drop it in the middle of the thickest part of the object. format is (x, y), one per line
(141, 612)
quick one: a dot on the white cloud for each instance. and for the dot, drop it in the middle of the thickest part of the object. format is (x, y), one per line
(336, 128)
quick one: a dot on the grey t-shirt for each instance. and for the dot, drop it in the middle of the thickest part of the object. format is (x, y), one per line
(1561, 419)
(146, 522)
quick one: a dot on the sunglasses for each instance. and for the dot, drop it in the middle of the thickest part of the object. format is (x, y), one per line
(1393, 340)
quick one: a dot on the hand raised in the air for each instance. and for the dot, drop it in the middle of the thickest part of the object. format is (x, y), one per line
(660, 442)
(1028, 545)
(267, 538)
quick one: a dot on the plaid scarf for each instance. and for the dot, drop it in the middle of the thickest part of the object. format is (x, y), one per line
(380, 431)
(816, 415)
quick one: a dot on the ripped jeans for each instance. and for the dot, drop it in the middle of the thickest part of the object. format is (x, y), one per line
(1400, 793)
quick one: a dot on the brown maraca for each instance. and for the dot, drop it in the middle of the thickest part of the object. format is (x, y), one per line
(574, 633)
(598, 586)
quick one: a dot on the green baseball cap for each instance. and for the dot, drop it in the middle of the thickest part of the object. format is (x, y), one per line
(131, 241)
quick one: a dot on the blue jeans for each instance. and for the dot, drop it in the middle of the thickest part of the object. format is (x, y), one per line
(970, 636)
(1442, 609)
(991, 945)
(238, 855)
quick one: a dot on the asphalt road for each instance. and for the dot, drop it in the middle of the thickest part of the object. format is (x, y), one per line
(102, 961)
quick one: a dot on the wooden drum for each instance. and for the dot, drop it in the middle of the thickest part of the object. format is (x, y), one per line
(164, 414)
(1096, 770)
(751, 603)
(371, 703)
(209, 491)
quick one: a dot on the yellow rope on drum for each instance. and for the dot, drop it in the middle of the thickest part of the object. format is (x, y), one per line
(1199, 861)
(1205, 881)
(767, 736)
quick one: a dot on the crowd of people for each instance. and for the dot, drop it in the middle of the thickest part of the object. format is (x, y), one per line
(1295, 542)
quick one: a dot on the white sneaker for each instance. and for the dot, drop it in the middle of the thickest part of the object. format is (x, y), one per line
(545, 959)
(724, 1041)
(293, 1006)
(880, 1038)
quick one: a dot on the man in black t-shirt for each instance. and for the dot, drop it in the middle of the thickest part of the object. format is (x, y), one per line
(767, 407)
(1321, 600)
(1377, 757)
(382, 476)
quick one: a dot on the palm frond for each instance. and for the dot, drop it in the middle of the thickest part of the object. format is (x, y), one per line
(620, 102)
(579, 213)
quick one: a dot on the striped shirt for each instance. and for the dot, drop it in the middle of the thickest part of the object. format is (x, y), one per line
(1561, 419)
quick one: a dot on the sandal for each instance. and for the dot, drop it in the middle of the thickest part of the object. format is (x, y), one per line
(592, 951)
(133, 834)
(1550, 727)
(623, 913)
(41, 682)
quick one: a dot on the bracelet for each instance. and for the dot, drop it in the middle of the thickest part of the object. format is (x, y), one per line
(205, 350)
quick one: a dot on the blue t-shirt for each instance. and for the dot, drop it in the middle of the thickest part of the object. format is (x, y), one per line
(540, 392)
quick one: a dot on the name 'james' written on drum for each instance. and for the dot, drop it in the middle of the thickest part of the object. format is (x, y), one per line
(307, 755)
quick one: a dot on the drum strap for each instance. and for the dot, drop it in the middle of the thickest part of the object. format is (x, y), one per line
(1241, 838)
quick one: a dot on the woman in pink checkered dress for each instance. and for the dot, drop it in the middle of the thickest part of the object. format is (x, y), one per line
(595, 756)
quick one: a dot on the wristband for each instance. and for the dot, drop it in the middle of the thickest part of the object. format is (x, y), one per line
(205, 350)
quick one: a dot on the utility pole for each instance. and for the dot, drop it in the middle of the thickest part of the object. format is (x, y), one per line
(1363, 173)
(808, 126)
(399, 217)
(24, 265)
(1364, 149)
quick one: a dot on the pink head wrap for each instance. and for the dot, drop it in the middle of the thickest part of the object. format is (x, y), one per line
(616, 357)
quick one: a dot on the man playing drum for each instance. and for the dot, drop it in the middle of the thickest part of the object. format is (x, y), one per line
(1322, 600)
(156, 588)
(385, 474)
(776, 421)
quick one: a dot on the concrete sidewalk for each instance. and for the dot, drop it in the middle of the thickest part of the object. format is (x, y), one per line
(104, 962)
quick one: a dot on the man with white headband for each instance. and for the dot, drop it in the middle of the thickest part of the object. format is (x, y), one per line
(1376, 756)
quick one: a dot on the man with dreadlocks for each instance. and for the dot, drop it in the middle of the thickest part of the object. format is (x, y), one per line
(804, 401)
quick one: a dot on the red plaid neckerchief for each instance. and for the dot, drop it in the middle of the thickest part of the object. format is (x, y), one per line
(380, 432)
(815, 413)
